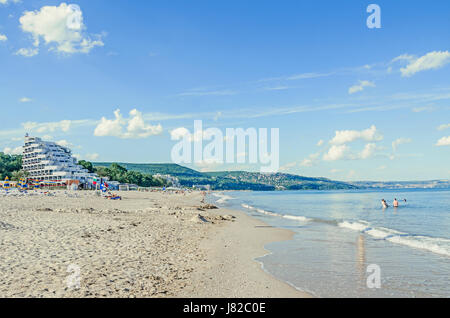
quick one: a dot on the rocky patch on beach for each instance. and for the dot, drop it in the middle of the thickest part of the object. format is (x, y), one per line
(207, 207)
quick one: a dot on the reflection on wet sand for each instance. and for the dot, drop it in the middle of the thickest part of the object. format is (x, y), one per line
(361, 258)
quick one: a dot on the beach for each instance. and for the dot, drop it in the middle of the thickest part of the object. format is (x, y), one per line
(149, 244)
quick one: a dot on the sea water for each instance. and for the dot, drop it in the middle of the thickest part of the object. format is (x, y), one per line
(340, 234)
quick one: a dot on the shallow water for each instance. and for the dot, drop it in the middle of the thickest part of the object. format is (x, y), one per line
(339, 234)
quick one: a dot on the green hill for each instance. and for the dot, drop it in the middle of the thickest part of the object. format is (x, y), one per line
(155, 168)
(235, 180)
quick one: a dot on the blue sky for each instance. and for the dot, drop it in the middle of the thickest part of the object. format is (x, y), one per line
(352, 103)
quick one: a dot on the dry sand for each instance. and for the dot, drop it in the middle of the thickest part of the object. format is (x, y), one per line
(146, 245)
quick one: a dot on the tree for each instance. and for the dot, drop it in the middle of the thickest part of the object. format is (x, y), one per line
(9, 164)
(17, 175)
(120, 174)
(86, 165)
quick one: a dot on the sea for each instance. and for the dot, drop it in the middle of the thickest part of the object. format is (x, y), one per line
(347, 245)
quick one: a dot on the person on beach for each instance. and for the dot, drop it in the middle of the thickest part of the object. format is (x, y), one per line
(384, 203)
(395, 203)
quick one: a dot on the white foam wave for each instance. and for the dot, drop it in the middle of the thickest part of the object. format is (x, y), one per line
(286, 216)
(297, 218)
(354, 225)
(432, 244)
(383, 233)
(436, 245)
(222, 197)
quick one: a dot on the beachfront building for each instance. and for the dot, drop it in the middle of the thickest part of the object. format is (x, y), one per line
(48, 161)
(174, 181)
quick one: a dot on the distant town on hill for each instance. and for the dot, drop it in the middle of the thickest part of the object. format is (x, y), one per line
(243, 180)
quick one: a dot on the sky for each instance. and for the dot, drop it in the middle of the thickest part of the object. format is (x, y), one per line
(115, 81)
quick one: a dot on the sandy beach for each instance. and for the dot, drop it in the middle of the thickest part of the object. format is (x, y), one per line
(149, 244)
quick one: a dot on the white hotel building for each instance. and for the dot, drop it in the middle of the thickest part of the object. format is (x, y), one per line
(48, 161)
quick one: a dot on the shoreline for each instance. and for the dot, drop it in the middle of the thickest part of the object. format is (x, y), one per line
(237, 273)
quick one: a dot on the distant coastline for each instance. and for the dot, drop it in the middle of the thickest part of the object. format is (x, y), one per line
(255, 181)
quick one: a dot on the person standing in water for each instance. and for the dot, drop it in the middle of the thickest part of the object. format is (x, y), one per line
(384, 203)
(395, 203)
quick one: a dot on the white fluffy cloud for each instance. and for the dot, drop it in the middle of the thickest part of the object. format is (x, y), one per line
(27, 52)
(133, 127)
(368, 151)
(404, 57)
(64, 143)
(8, 1)
(399, 142)
(444, 141)
(443, 127)
(57, 126)
(311, 160)
(179, 133)
(346, 136)
(339, 149)
(340, 152)
(3, 38)
(110, 127)
(63, 125)
(336, 152)
(429, 61)
(13, 151)
(360, 86)
(60, 27)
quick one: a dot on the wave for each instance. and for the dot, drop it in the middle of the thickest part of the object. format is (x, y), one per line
(285, 216)
(295, 217)
(435, 245)
(222, 197)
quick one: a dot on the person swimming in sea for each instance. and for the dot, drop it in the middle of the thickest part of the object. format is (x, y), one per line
(395, 203)
(384, 203)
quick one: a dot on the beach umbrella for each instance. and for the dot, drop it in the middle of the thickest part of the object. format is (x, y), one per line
(6, 184)
(21, 183)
